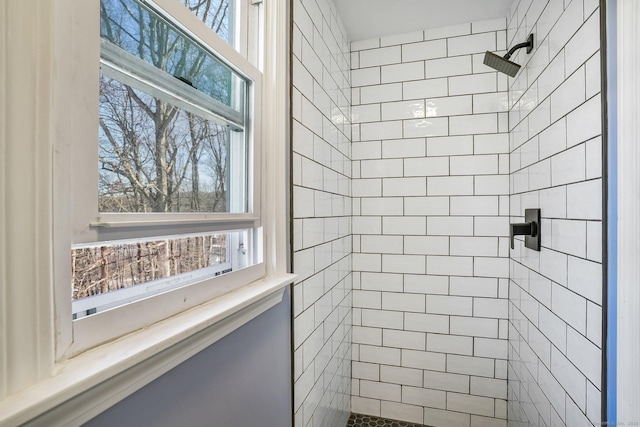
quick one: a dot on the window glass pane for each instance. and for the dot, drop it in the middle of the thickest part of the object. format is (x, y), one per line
(157, 157)
(216, 14)
(144, 34)
(109, 274)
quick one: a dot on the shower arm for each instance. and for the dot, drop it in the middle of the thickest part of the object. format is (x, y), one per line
(528, 44)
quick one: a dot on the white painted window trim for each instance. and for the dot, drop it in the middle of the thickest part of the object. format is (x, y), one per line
(38, 108)
(628, 286)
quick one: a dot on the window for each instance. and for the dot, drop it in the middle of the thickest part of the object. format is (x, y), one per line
(170, 206)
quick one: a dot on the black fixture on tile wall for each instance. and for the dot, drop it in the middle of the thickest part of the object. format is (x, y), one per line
(530, 229)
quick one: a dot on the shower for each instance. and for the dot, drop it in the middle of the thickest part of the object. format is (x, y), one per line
(503, 64)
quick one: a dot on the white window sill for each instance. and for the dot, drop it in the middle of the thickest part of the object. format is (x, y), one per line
(93, 381)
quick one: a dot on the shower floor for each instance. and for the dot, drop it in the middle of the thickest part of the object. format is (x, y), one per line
(358, 420)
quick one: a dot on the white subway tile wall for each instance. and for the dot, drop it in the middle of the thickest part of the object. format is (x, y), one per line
(322, 208)
(555, 300)
(430, 195)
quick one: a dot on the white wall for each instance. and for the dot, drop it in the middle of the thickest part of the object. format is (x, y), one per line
(431, 205)
(321, 136)
(555, 295)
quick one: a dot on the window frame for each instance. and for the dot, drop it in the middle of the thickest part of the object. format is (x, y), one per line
(89, 225)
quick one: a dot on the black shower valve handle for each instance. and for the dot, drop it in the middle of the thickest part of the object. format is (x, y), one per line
(522, 229)
(530, 229)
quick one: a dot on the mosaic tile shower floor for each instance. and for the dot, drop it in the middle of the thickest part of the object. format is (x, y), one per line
(357, 420)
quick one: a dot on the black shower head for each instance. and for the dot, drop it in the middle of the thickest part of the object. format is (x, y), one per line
(502, 63)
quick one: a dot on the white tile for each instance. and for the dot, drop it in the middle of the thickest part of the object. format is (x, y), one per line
(584, 122)
(303, 205)
(474, 246)
(396, 411)
(410, 264)
(473, 124)
(423, 360)
(553, 139)
(412, 37)
(552, 77)
(424, 50)
(491, 143)
(566, 26)
(381, 93)
(413, 109)
(367, 225)
(365, 44)
(491, 185)
(474, 165)
(448, 31)
(381, 282)
(426, 323)
(424, 397)
(491, 348)
(585, 278)
(404, 187)
(381, 168)
(471, 84)
(437, 285)
(401, 148)
(403, 302)
(553, 202)
(377, 390)
(571, 379)
(474, 287)
(474, 205)
(381, 56)
(553, 265)
(382, 206)
(594, 323)
(594, 241)
(584, 355)
(440, 304)
(490, 102)
(594, 158)
(366, 187)
(361, 405)
(450, 186)
(365, 77)
(450, 145)
(426, 166)
(426, 206)
(570, 307)
(449, 226)
(449, 106)
(583, 44)
(365, 371)
(474, 326)
(426, 245)
(445, 67)
(489, 387)
(476, 43)
(441, 418)
(367, 262)
(584, 200)
(403, 72)
(491, 267)
(367, 299)
(381, 130)
(470, 404)
(431, 126)
(569, 237)
(382, 319)
(431, 88)
(365, 113)
(448, 344)
(404, 339)
(568, 166)
(369, 336)
(569, 95)
(593, 76)
(491, 226)
(381, 244)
